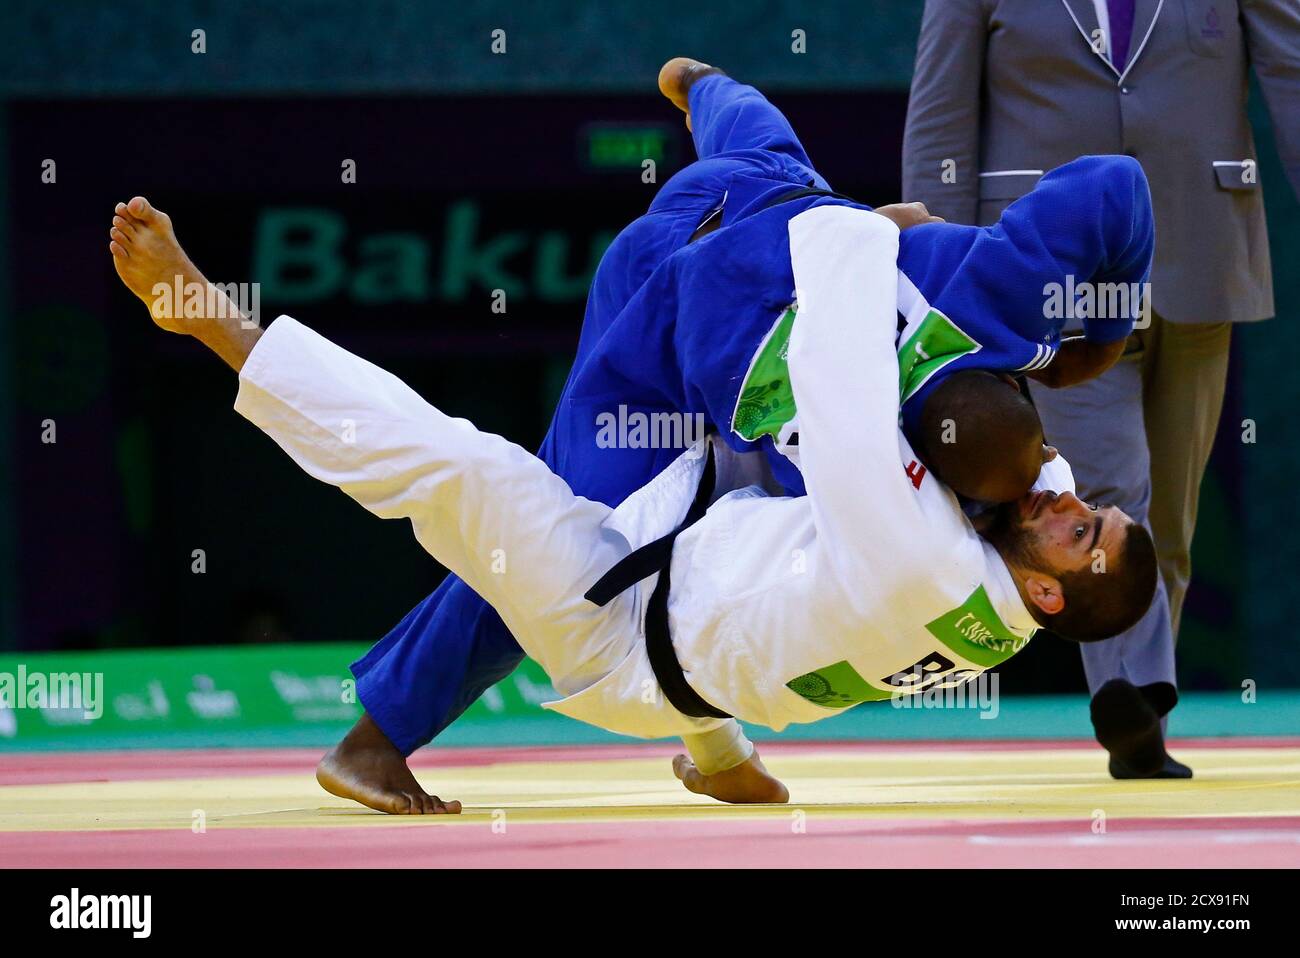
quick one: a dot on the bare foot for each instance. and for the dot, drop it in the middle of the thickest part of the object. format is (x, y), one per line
(677, 76)
(152, 264)
(747, 783)
(367, 768)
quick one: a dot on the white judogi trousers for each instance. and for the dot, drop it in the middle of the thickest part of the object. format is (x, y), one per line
(493, 514)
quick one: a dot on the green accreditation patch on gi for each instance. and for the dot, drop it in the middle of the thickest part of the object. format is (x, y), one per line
(973, 632)
(766, 401)
(836, 686)
(936, 342)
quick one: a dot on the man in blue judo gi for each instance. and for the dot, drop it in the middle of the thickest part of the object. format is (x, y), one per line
(689, 313)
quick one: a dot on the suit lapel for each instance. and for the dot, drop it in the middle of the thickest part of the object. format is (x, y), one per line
(1084, 15)
(1145, 14)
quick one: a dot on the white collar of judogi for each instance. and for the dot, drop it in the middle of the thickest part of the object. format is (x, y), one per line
(1004, 595)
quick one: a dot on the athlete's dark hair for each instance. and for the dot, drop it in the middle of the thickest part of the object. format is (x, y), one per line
(1100, 605)
(981, 437)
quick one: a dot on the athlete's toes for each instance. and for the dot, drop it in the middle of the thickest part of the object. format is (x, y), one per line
(445, 808)
(689, 775)
(118, 250)
(140, 208)
(124, 225)
(119, 236)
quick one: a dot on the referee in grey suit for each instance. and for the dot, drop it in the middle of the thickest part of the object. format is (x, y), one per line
(1007, 89)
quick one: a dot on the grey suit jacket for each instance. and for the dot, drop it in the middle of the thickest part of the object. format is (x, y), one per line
(1006, 89)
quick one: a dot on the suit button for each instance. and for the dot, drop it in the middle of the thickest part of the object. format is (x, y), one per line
(1123, 90)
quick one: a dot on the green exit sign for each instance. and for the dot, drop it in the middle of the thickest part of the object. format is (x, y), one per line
(618, 147)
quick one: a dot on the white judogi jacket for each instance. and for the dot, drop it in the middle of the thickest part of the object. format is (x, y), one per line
(787, 610)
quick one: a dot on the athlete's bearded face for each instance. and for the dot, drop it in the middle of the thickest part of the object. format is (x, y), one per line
(1056, 533)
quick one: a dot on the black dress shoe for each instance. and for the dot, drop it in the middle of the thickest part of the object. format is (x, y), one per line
(1171, 769)
(1128, 727)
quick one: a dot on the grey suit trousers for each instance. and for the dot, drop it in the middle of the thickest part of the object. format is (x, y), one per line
(1139, 436)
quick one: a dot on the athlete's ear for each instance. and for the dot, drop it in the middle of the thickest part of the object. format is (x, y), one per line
(1045, 592)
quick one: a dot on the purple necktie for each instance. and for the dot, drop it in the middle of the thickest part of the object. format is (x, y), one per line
(1121, 31)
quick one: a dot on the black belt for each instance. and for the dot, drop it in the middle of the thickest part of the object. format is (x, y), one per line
(641, 564)
(802, 192)
(714, 219)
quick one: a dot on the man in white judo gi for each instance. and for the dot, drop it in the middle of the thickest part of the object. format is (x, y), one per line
(657, 618)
